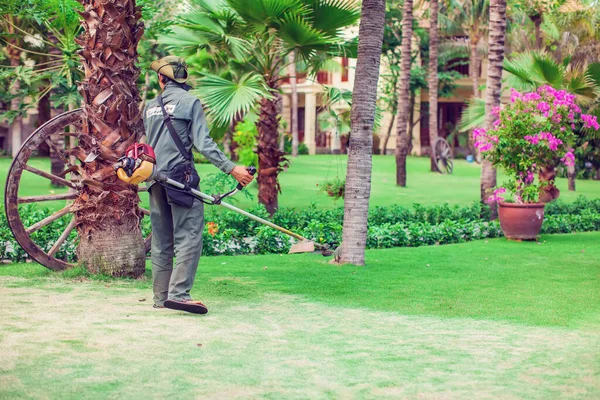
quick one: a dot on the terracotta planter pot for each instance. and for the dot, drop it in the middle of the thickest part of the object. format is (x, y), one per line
(521, 221)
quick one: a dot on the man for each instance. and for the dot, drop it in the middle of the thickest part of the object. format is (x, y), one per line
(177, 230)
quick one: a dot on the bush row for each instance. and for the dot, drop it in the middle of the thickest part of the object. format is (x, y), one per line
(229, 233)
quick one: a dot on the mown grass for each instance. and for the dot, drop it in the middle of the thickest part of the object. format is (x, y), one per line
(555, 282)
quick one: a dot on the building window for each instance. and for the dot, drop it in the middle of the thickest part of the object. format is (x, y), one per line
(460, 65)
(323, 77)
(344, 69)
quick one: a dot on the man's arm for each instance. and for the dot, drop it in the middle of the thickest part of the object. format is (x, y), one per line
(204, 143)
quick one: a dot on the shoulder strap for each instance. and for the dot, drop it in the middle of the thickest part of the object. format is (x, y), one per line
(174, 135)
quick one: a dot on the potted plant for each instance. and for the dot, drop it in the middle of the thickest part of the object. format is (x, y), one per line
(528, 140)
(335, 188)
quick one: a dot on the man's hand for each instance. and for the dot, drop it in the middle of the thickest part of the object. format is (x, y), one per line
(241, 175)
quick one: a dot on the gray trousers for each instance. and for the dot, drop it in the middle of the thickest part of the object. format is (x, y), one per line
(176, 232)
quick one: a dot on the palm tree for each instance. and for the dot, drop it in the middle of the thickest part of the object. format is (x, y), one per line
(256, 41)
(433, 78)
(402, 139)
(472, 17)
(497, 38)
(294, 105)
(358, 176)
(107, 215)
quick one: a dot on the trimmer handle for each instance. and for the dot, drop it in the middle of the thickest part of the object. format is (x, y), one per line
(252, 171)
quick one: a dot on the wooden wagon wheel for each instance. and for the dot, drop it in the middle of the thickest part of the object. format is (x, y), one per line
(58, 138)
(443, 156)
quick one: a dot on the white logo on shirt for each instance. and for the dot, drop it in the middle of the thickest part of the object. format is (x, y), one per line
(157, 111)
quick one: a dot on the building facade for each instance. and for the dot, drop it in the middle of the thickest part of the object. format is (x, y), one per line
(319, 141)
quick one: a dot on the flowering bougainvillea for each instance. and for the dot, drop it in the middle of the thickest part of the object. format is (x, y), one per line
(534, 131)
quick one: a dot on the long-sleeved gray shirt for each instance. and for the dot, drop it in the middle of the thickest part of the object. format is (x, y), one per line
(190, 124)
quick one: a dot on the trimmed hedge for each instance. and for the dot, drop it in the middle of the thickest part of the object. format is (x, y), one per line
(393, 226)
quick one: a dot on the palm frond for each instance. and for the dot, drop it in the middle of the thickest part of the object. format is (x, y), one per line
(530, 70)
(330, 16)
(473, 116)
(267, 14)
(226, 99)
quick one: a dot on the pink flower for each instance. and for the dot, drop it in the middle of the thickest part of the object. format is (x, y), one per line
(529, 178)
(496, 196)
(590, 121)
(569, 158)
(496, 111)
(483, 141)
(531, 96)
(543, 107)
(514, 95)
(532, 139)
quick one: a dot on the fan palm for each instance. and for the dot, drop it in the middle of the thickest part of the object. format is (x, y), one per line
(471, 18)
(254, 43)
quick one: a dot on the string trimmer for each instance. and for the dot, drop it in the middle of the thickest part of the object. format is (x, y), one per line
(138, 166)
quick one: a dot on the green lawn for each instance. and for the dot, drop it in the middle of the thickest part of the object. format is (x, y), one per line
(299, 182)
(475, 320)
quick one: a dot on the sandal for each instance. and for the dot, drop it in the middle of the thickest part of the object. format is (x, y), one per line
(191, 306)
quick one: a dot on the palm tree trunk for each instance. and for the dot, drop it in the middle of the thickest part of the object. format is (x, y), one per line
(270, 157)
(571, 175)
(433, 78)
(402, 139)
(497, 38)
(108, 218)
(57, 166)
(358, 175)
(474, 66)
(294, 95)
(537, 23)
(411, 124)
(390, 127)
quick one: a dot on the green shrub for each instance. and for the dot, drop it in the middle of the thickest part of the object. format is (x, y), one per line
(231, 233)
(245, 137)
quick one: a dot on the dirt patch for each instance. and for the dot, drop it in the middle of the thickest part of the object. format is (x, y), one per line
(57, 343)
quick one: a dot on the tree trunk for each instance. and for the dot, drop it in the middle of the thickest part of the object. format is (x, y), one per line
(571, 175)
(57, 166)
(270, 157)
(16, 128)
(402, 139)
(474, 66)
(108, 219)
(294, 110)
(497, 38)
(433, 79)
(411, 124)
(390, 127)
(358, 175)
(537, 23)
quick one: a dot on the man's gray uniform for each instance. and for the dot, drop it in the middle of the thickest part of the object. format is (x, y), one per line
(176, 230)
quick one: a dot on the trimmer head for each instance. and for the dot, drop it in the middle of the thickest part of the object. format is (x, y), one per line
(305, 246)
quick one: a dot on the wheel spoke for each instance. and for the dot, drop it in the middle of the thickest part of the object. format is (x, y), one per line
(53, 178)
(62, 238)
(50, 197)
(56, 150)
(48, 220)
